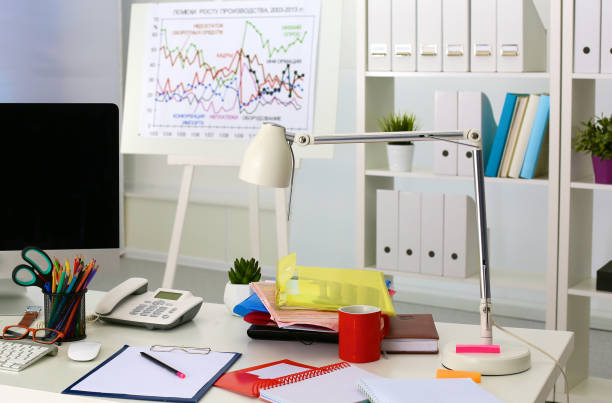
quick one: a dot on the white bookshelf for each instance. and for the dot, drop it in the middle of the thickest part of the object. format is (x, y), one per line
(521, 279)
(375, 97)
(576, 287)
(425, 173)
(451, 74)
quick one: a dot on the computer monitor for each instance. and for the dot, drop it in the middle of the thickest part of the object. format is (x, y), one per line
(59, 176)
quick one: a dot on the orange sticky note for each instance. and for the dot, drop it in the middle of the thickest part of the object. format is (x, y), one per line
(447, 373)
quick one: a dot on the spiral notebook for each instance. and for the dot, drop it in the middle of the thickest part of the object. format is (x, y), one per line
(333, 383)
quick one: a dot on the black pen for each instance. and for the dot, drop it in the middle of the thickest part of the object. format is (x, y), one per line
(163, 365)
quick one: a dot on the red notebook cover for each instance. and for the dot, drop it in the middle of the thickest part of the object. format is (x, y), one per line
(242, 381)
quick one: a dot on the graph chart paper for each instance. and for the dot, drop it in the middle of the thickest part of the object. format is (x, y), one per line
(217, 70)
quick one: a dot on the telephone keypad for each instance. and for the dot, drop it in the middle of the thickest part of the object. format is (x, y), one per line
(153, 309)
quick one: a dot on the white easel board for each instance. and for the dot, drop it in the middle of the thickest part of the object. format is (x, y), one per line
(208, 16)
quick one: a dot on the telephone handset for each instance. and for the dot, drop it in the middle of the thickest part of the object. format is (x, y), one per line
(129, 303)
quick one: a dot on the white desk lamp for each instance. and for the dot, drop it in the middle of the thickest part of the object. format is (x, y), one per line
(268, 161)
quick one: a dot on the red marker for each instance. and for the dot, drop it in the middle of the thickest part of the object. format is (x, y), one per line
(163, 365)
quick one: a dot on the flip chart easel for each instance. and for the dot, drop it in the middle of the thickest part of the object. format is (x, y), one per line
(191, 153)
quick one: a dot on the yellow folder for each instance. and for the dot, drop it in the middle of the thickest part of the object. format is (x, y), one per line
(328, 289)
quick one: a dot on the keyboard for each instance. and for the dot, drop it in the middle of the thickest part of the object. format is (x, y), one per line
(16, 355)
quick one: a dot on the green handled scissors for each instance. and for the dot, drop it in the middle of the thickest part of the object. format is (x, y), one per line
(27, 275)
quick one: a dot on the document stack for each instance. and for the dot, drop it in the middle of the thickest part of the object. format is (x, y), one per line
(455, 35)
(456, 111)
(429, 233)
(593, 36)
(521, 138)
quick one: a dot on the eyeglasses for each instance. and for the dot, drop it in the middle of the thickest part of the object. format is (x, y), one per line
(42, 335)
(190, 350)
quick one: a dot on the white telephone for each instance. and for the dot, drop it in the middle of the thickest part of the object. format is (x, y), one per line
(129, 303)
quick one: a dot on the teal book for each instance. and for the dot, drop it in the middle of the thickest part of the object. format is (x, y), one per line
(536, 138)
(497, 150)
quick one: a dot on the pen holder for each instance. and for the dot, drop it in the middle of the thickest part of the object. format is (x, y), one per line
(66, 312)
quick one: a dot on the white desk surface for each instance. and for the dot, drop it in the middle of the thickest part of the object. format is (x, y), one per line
(214, 327)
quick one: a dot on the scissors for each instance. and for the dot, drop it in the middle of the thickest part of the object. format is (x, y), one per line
(27, 275)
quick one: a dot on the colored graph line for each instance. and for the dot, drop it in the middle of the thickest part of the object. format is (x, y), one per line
(242, 85)
(265, 43)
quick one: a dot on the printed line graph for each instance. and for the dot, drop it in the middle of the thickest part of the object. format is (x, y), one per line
(220, 78)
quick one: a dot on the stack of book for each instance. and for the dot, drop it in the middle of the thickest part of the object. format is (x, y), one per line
(520, 146)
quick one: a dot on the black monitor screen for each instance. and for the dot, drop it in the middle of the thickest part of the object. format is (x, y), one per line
(59, 176)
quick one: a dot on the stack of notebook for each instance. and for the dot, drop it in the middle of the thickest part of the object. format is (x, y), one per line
(411, 334)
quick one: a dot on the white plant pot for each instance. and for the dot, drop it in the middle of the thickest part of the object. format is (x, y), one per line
(400, 157)
(235, 294)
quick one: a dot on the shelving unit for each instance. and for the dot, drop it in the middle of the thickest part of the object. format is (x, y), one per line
(576, 287)
(417, 173)
(523, 279)
(375, 97)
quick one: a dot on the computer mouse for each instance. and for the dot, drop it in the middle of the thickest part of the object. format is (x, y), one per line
(83, 350)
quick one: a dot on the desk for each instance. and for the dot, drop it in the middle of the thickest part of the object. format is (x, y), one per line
(214, 327)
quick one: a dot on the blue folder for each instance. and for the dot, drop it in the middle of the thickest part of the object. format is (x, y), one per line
(499, 143)
(251, 304)
(536, 137)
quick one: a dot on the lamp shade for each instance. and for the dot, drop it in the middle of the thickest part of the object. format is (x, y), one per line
(267, 159)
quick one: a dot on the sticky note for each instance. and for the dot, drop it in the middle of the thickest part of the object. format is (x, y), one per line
(447, 373)
(478, 348)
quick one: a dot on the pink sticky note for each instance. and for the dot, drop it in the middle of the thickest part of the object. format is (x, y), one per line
(478, 348)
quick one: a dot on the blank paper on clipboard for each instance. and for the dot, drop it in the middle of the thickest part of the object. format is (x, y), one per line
(128, 375)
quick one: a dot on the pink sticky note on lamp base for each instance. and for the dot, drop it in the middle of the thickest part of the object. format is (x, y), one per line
(478, 348)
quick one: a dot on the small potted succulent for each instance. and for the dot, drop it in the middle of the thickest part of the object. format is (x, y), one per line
(399, 153)
(595, 138)
(237, 288)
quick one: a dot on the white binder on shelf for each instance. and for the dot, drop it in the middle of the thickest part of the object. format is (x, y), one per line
(606, 37)
(445, 118)
(469, 116)
(432, 233)
(460, 236)
(456, 35)
(587, 30)
(483, 35)
(403, 35)
(379, 35)
(429, 35)
(409, 243)
(386, 229)
(521, 37)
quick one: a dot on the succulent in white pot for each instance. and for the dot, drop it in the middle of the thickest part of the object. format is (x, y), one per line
(237, 288)
(399, 153)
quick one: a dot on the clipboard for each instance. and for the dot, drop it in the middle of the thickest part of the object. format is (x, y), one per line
(126, 375)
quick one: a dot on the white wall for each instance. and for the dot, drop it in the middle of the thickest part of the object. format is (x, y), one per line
(60, 51)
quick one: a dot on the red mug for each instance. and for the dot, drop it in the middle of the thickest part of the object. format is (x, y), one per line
(360, 332)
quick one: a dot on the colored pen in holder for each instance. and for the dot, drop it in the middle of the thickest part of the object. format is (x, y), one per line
(66, 312)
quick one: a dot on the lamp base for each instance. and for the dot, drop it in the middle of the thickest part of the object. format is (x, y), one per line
(512, 359)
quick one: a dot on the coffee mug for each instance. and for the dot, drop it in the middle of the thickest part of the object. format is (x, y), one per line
(360, 332)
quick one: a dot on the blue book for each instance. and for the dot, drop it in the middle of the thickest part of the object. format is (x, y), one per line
(497, 150)
(538, 131)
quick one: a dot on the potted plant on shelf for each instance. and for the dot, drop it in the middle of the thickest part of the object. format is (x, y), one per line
(237, 288)
(596, 139)
(399, 153)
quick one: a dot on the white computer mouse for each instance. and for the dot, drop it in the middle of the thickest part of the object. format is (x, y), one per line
(83, 350)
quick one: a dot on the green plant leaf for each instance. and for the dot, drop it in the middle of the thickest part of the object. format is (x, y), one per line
(398, 122)
(595, 137)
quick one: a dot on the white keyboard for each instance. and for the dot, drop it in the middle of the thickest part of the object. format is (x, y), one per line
(15, 355)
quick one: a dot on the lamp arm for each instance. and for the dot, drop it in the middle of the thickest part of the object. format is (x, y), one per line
(486, 330)
(472, 137)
